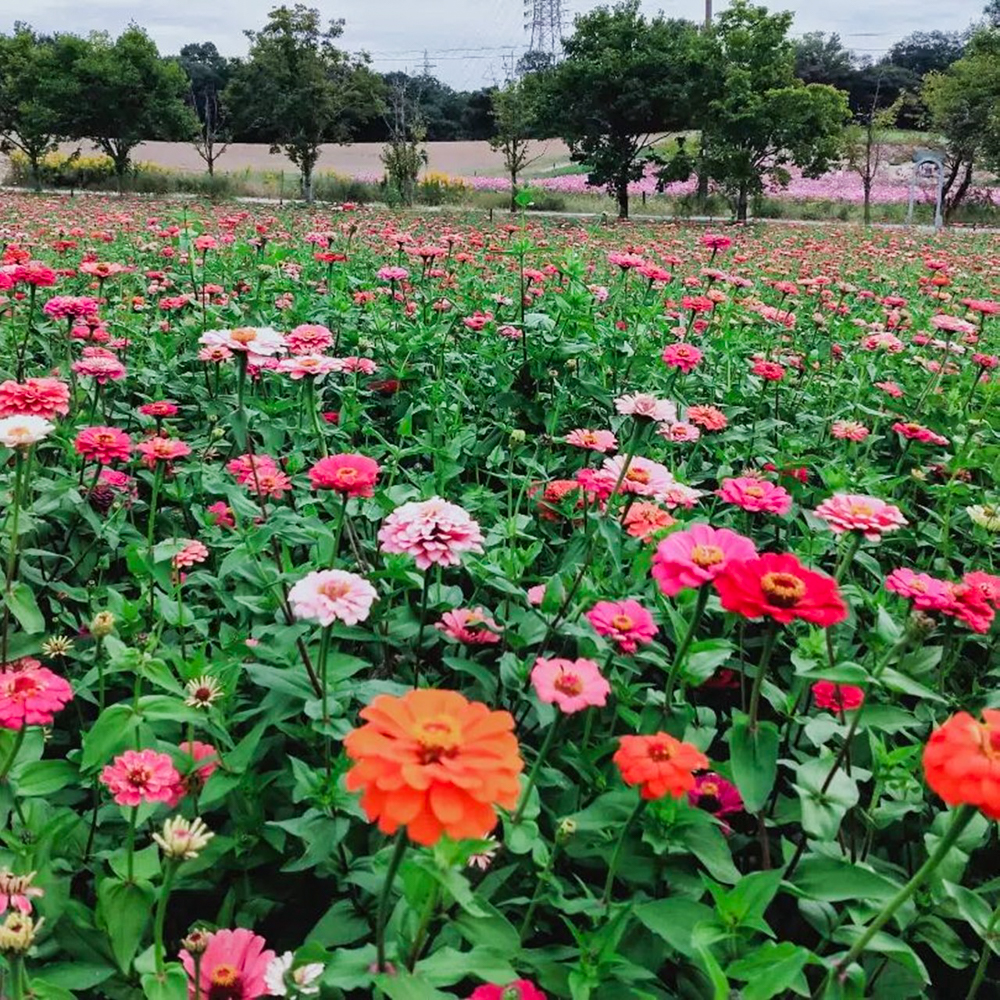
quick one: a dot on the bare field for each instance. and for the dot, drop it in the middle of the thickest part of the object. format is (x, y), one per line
(460, 159)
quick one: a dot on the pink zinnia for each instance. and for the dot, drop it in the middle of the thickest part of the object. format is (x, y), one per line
(30, 694)
(309, 338)
(138, 776)
(837, 697)
(232, 967)
(602, 441)
(643, 477)
(194, 552)
(625, 623)
(571, 685)
(536, 594)
(222, 514)
(708, 418)
(162, 449)
(159, 408)
(697, 556)
(684, 357)
(520, 989)
(917, 432)
(103, 444)
(988, 585)
(100, 368)
(890, 388)
(849, 430)
(41, 397)
(352, 475)
(355, 364)
(647, 407)
(853, 512)
(927, 592)
(431, 531)
(755, 495)
(968, 604)
(679, 432)
(770, 371)
(471, 626)
(390, 273)
(309, 366)
(330, 595)
(644, 520)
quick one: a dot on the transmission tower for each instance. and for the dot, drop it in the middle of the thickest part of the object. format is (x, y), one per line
(543, 21)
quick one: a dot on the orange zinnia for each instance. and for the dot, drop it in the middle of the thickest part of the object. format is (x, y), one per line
(436, 763)
(660, 764)
(962, 761)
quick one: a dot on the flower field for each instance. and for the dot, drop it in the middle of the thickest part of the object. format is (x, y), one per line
(415, 608)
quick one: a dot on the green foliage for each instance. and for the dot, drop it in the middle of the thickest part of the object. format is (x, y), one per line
(515, 120)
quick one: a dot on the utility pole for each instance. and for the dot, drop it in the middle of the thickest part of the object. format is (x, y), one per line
(708, 13)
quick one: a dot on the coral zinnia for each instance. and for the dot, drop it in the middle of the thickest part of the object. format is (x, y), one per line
(232, 967)
(644, 520)
(962, 761)
(352, 475)
(162, 449)
(696, 556)
(778, 586)
(103, 444)
(43, 397)
(626, 623)
(431, 531)
(435, 763)
(30, 694)
(660, 764)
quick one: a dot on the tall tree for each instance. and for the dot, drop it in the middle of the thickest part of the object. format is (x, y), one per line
(298, 90)
(515, 114)
(33, 86)
(865, 146)
(822, 58)
(926, 52)
(124, 92)
(624, 83)
(761, 118)
(208, 73)
(404, 153)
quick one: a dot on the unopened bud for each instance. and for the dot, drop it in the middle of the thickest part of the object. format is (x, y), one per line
(103, 624)
(921, 625)
(518, 437)
(17, 933)
(197, 941)
(183, 840)
(565, 830)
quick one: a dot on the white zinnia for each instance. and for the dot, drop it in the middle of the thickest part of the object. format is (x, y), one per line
(21, 432)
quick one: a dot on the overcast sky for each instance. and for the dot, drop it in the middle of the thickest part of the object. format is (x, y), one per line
(467, 40)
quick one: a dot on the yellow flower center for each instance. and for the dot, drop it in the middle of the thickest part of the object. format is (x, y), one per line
(707, 556)
(784, 590)
(438, 736)
(569, 684)
(622, 623)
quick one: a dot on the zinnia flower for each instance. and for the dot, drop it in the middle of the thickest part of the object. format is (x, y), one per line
(232, 967)
(282, 978)
(602, 441)
(660, 764)
(985, 515)
(352, 475)
(780, 587)
(837, 697)
(471, 626)
(31, 694)
(643, 476)
(962, 761)
(24, 431)
(16, 891)
(138, 776)
(431, 531)
(309, 338)
(917, 432)
(644, 520)
(853, 512)
(571, 685)
(755, 495)
(330, 595)
(715, 794)
(103, 445)
(849, 430)
(926, 592)
(697, 556)
(261, 341)
(161, 449)
(626, 623)
(102, 369)
(684, 357)
(708, 418)
(520, 989)
(41, 397)
(647, 407)
(194, 552)
(435, 763)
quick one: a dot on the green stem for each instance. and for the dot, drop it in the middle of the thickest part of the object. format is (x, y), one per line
(633, 445)
(14, 751)
(16, 977)
(984, 959)
(960, 819)
(161, 913)
(616, 857)
(153, 498)
(536, 895)
(423, 625)
(550, 737)
(314, 415)
(340, 526)
(685, 645)
(383, 904)
(770, 639)
(425, 922)
(324, 652)
(853, 544)
(130, 844)
(19, 464)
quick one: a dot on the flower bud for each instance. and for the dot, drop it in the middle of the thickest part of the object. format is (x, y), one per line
(197, 941)
(183, 840)
(518, 437)
(103, 624)
(17, 933)
(921, 625)
(565, 830)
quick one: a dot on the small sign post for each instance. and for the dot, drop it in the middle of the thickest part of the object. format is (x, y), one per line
(928, 158)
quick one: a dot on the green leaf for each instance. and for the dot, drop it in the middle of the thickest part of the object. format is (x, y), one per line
(448, 966)
(172, 985)
(44, 777)
(23, 606)
(124, 908)
(674, 920)
(754, 759)
(110, 732)
(834, 880)
(407, 986)
(823, 811)
(769, 970)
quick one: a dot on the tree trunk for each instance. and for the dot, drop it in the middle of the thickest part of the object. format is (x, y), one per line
(36, 174)
(513, 191)
(307, 183)
(963, 190)
(866, 183)
(210, 160)
(621, 193)
(742, 204)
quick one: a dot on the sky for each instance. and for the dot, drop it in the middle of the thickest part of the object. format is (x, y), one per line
(467, 41)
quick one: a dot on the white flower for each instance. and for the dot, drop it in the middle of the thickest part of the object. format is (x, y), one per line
(254, 340)
(280, 979)
(21, 432)
(183, 840)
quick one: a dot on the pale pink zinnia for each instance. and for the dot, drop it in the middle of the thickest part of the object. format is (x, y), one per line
(679, 432)
(625, 623)
(473, 626)
(696, 556)
(194, 552)
(849, 430)
(330, 595)
(571, 685)
(602, 441)
(757, 495)
(431, 531)
(261, 341)
(138, 776)
(643, 477)
(853, 512)
(232, 967)
(641, 404)
(309, 365)
(309, 338)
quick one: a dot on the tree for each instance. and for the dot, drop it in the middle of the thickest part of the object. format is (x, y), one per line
(536, 61)
(123, 93)
(761, 118)
(822, 58)
(208, 73)
(865, 146)
(992, 13)
(926, 52)
(33, 81)
(964, 103)
(403, 155)
(623, 84)
(297, 90)
(514, 119)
